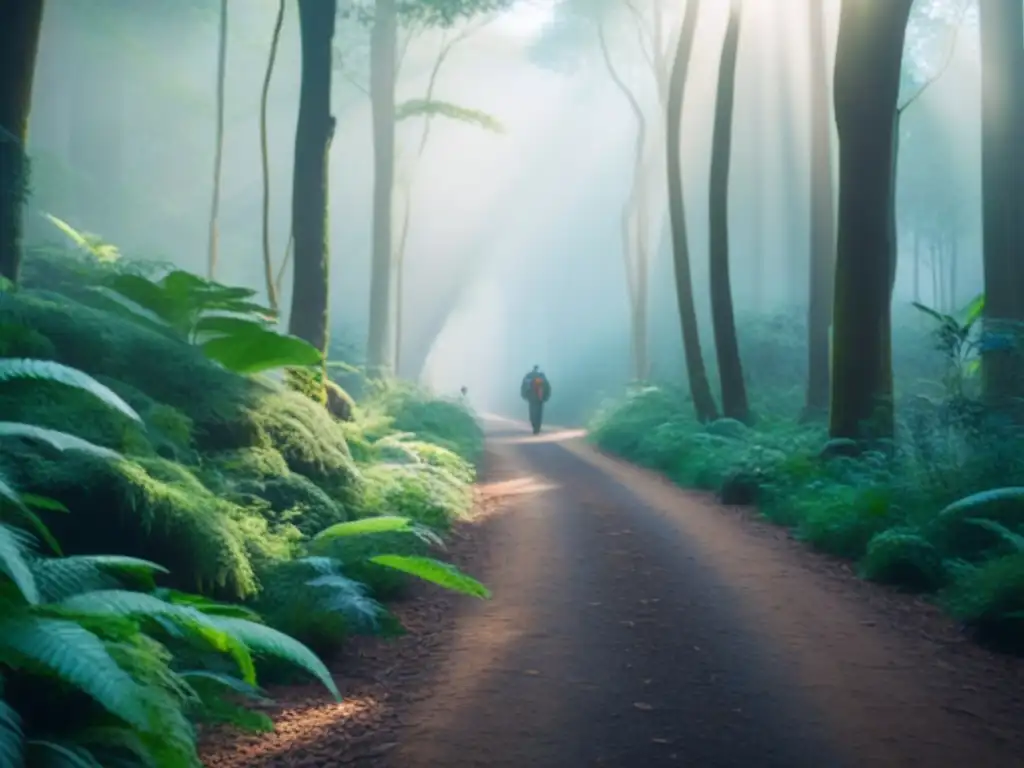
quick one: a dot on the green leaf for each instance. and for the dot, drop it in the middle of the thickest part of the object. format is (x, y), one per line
(62, 441)
(43, 502)
(984, 498)
(431, 108)
(229, 326)
(443, 574)
(77, 657)
(11, 739)
(368, 525)
(1012, 538)
(13, 548)
(46, 370)
(253, 352)
(974, 309)
(261, 639)
(50, 754)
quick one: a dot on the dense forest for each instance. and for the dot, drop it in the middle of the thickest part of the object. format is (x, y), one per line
(249, 253)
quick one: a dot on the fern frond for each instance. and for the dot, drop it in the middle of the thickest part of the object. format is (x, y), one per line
(52, 754)
(443, 574)
(13, 562)
(59, 578)
(263, 640)
(140, 605)
(62, 441)
(47, 370)
(433, 108)
(12, 745)
(76, 656)
(211, 688)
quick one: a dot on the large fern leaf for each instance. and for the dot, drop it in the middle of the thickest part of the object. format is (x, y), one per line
(47, 370)
(62, 441)
(76, 656)
(139, 605)
(443, 574)
(53, 754)
(59, 578)
(434, 108)
(14, 563)
(258, 349)
(984, 498)
(263, 640)
(12, 748)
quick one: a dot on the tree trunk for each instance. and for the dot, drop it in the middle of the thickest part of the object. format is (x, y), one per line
(383, 50)
(954, 253)
(917, 266)
(1002, 190)
(268, 260)
(730, 368)
(222, 49)
(823, 224)
(313, 134)
(867, 79)
(700, 390)
(19, 41)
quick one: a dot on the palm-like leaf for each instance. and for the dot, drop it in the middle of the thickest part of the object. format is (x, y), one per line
(76, 656)
(12, 747)
(59, 578)
(52, 754)
(47, 370)
(263, 640)
(14, 563)
(62, 441)
(443, 574)
(138, 605)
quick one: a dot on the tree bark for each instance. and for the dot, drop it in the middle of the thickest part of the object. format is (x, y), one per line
(730, 368)
(1002, 191)
(313, 134)
(383, 51)
(19, 41)
(867, 78)
(218, 153)
(823, 225)
(700, 390)
(268, 260)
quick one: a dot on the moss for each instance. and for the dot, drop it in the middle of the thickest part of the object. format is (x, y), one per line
(427, 494)
(903, 557)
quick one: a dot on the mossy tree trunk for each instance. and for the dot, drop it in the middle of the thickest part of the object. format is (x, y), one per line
(1002, 180)
(823, 224)
(19, 41)
(309, 311)
(700, 390)
(866, 86)
(730, 367)
(383, 62)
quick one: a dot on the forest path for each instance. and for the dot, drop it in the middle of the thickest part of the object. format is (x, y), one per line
(635, 624)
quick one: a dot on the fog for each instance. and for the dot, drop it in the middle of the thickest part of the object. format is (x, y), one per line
(514, 252)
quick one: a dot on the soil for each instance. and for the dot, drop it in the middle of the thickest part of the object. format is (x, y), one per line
(636, 624)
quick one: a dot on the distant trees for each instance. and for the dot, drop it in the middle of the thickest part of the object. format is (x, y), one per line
(309, 312)
(869, 54)
(19, 41)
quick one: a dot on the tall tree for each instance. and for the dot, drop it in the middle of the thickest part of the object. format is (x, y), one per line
(869, 54)
(383, 65)
(730, 368)
(268, 261)
(19, 42)
(823, 224)
(313, 134)
(222, 51)
(700, 390)
(1002, 189)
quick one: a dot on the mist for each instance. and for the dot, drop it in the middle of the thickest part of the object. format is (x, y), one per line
(514, 253)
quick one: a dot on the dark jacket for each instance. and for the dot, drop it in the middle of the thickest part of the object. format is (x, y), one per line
(526, 389)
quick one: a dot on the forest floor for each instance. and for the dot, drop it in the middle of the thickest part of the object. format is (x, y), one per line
(636, 624)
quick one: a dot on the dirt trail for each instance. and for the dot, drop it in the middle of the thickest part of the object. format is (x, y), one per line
(634, 624)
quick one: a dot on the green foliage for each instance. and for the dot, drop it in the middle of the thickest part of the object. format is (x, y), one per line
(433, 108)
(942, 510)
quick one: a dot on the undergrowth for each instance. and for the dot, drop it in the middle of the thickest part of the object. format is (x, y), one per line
(941, 514)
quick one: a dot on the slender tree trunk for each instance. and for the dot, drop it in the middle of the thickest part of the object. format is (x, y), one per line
(222, 48)
(954, 253)
(867, 77)
(268, 261)
(936, 249)
(823, 223)
(700, 390)
(19, 41)
(1002, 190)
(730, 368)
(383, 52)
(917, 266)
(313, 134)
(403, 238)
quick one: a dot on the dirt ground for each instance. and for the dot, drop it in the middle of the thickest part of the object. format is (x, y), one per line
(635, 624)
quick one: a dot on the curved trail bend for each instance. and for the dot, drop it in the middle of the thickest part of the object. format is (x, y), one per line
(634, 624)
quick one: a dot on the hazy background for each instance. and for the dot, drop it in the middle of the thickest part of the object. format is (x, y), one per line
(514, 252)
